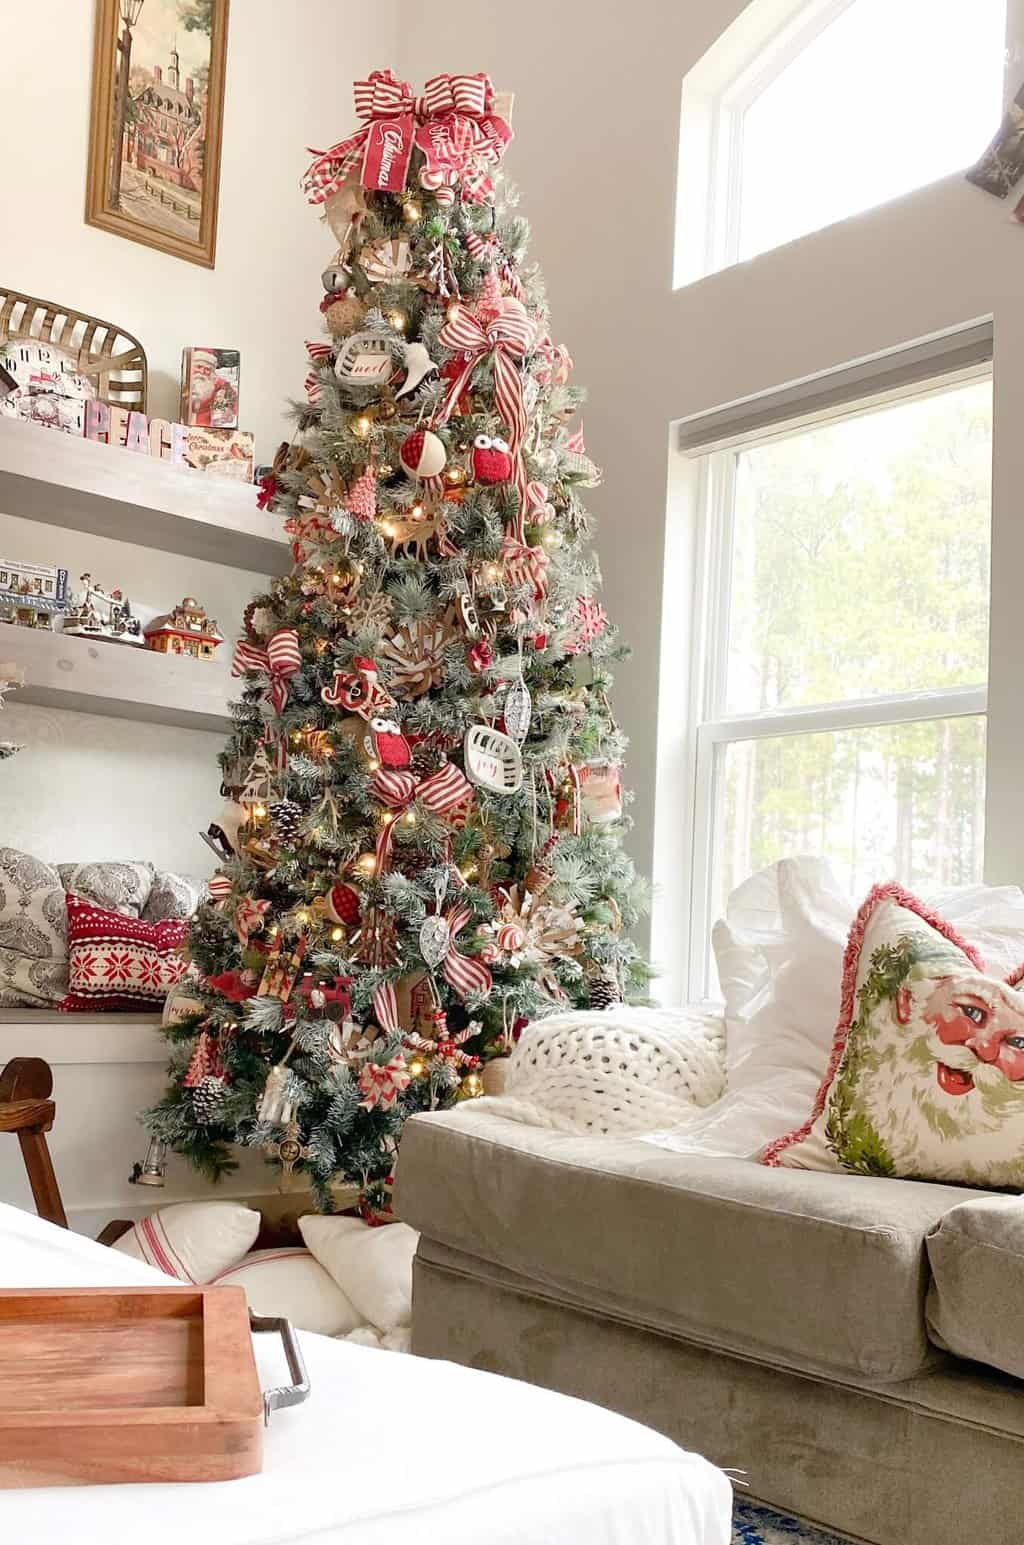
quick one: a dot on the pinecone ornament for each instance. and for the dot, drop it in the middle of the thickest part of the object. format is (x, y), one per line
(605, 991)
(285, 815)
(208, 1098)
(426, 759)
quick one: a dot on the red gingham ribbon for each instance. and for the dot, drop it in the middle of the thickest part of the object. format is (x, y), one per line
(379, 96)
(280, 660)
(442, 792)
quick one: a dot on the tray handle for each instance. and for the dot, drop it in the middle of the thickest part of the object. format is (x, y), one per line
(284, 1394)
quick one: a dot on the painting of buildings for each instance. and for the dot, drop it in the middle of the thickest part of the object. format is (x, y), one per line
(157, 100)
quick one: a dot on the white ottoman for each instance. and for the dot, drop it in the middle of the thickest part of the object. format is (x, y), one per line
(388, 1450)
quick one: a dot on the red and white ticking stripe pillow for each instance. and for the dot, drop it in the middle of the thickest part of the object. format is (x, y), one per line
(193, 1241)
(119, 962)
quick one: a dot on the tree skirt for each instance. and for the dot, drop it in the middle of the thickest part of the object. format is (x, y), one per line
(756, 1525)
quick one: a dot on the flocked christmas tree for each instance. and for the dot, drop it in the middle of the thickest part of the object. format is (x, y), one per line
(424, 761)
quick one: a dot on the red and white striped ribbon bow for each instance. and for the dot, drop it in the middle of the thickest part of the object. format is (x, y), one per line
(442, 792)
(525, 565)
(250, 916)
(460, 136)
(382, 1082)
(314, 390)
(318, 351)
(506, 338)
(488, 249)
(280, 660)
(464, 973)
(553, 364)
(380, 97)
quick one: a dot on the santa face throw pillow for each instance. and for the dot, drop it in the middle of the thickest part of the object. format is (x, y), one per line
(926, 1080)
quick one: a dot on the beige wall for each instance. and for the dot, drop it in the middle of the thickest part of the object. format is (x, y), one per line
(597, 117)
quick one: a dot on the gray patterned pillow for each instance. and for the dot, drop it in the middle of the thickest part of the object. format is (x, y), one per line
(120, 888)
(33, 932)
(172, 896)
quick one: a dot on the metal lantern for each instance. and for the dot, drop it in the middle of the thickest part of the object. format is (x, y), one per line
(153, 1168)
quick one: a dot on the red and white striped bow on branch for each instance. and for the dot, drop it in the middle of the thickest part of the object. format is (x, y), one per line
(443, 792)
(506, 337)
(382, 1082)
(525, 565)
(463, 973)
(452, 123)
(280, 660)
(460, 136)
(488, 249)
(554, 362)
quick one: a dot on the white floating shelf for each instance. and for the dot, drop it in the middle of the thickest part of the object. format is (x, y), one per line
(120, 681)
(85, 486)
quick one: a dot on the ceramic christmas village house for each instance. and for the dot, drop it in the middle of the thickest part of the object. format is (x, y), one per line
(32, 594)
(186, 630)
(97, 613)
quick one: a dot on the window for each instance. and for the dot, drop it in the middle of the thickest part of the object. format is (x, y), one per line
(830, 115)
(845, 639)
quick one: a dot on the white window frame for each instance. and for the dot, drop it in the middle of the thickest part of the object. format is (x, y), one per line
(711, 726)
(728, 110)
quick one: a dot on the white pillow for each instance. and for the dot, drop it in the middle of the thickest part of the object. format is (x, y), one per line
(293, 1283)
(193, 1241)
(372, 1265)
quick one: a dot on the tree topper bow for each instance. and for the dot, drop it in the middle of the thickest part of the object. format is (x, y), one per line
(455, 123)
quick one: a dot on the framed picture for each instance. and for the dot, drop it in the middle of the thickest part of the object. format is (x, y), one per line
(155, 135)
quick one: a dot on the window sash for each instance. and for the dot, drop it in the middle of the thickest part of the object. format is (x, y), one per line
(713, 728)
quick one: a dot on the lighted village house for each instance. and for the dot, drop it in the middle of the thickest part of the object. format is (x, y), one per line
(166, 134)
(185, 630)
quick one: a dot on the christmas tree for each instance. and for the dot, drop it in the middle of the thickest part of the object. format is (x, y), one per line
(424, 761)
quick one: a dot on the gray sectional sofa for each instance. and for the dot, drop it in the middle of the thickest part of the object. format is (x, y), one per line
(813, 1330)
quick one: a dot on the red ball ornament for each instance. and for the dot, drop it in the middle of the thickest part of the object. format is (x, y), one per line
(422, 454)
(492, 460)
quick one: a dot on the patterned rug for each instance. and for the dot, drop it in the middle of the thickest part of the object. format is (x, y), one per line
(756, 1525)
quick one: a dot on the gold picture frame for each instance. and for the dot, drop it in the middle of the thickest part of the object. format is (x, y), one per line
(154, 162)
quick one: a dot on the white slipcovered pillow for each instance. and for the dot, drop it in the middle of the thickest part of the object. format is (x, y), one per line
(779, 952)
(193, 1241)
(373, 1266)
(292, 1283)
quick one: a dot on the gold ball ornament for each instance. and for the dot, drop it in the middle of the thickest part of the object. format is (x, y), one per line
(472, 1087)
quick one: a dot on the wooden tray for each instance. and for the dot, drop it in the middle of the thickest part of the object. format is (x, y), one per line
(128, 1384)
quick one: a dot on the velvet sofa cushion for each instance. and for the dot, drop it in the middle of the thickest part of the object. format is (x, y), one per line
(976, 1254)
(825, 1273)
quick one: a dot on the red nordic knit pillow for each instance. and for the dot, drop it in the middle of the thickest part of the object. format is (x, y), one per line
(118, 962)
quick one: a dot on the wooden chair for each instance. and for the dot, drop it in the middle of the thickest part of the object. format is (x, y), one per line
(26, 1084)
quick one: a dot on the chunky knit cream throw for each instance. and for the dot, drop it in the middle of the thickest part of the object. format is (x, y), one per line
(617, 1071)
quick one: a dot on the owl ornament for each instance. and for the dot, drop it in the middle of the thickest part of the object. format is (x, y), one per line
(389, 746)
(358, 691)
(492, 460)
